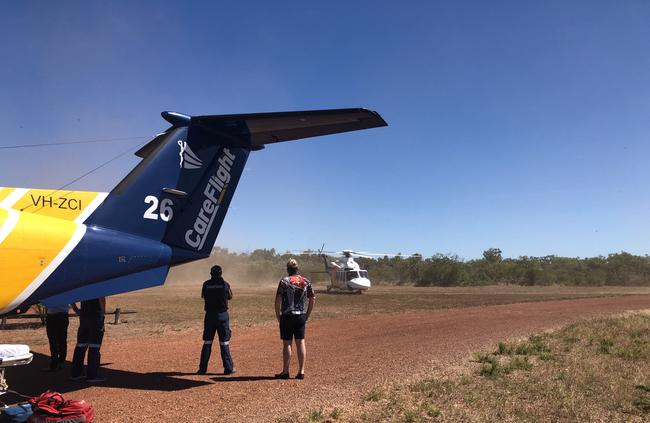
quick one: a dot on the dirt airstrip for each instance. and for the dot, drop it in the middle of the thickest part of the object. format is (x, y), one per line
(151, 378)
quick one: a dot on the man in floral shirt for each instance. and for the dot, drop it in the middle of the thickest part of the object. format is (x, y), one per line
(294, 302)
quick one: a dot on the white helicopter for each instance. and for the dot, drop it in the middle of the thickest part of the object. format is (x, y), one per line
(345, 273)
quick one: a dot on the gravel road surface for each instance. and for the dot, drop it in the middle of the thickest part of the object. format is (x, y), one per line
(152, 378)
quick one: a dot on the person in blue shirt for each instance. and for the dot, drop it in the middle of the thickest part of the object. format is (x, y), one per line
(216, 293)
(294, 302)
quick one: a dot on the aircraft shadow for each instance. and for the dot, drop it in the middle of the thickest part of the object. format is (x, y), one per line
(30, 380)
(241, 378)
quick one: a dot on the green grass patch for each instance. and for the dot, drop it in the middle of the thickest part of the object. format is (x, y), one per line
(604, 345)
(642, 400)
(590, 371)
(372, 395)
(410, 416)
(432, 411)
(315, 416)
(335, 414)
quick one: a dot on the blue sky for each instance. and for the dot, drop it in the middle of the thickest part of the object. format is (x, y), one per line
(522, 125)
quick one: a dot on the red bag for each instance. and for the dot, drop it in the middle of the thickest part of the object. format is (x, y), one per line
(47, 402)
(52, 407)
(79, 408)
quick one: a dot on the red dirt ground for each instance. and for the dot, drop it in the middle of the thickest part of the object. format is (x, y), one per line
(151, 378)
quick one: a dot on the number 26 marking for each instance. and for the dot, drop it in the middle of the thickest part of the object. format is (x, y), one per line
(165, 212)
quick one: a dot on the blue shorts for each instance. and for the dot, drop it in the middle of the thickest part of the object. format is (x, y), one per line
(292, 326)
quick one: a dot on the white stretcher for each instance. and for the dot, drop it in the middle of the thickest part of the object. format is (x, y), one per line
(12, 355)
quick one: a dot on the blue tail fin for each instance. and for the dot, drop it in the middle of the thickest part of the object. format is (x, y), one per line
(180, 193)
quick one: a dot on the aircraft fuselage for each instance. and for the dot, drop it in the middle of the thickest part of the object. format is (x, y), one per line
(47, 255)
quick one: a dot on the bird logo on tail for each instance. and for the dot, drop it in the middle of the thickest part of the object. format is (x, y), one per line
(189, 160)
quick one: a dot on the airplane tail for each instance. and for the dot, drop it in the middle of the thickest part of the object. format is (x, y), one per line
(180, 192)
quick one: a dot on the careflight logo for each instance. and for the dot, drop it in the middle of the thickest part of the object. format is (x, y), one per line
(213, 194)
(189, 160)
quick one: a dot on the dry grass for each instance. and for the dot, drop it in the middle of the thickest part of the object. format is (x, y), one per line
(589, 371)
(177, 305)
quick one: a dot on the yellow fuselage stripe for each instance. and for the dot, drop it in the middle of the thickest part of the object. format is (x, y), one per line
(4, 192)
(3, 217)
(26, 252)
(67, 205)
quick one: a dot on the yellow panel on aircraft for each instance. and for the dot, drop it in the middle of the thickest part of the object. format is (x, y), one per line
(33, 243)
(4, 192)
(3, 216)
(66, 205)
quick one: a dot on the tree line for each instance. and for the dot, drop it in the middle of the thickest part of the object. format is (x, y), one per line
(450, 270)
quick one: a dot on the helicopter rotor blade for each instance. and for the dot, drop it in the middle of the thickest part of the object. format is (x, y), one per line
(363, 254)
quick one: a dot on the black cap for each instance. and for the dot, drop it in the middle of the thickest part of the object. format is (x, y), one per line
(216, 270)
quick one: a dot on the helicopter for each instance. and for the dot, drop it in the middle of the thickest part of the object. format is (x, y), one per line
(345, 273)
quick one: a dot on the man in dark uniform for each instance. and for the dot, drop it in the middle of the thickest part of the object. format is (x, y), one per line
(294, 302)
(89, 337)
(56, 326)
(216, 292)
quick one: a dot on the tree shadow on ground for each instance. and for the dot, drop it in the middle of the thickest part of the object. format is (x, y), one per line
(31, 380)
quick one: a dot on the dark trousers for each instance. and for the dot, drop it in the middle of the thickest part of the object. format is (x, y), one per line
(219, 323)
(56, 326)
(89, 338)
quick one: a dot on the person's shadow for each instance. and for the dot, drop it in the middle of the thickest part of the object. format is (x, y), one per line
(30, 380)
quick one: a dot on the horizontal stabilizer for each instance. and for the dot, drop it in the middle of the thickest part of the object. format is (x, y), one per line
(254, 130)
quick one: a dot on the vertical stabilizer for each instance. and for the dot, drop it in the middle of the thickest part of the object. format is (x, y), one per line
(179, 193)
